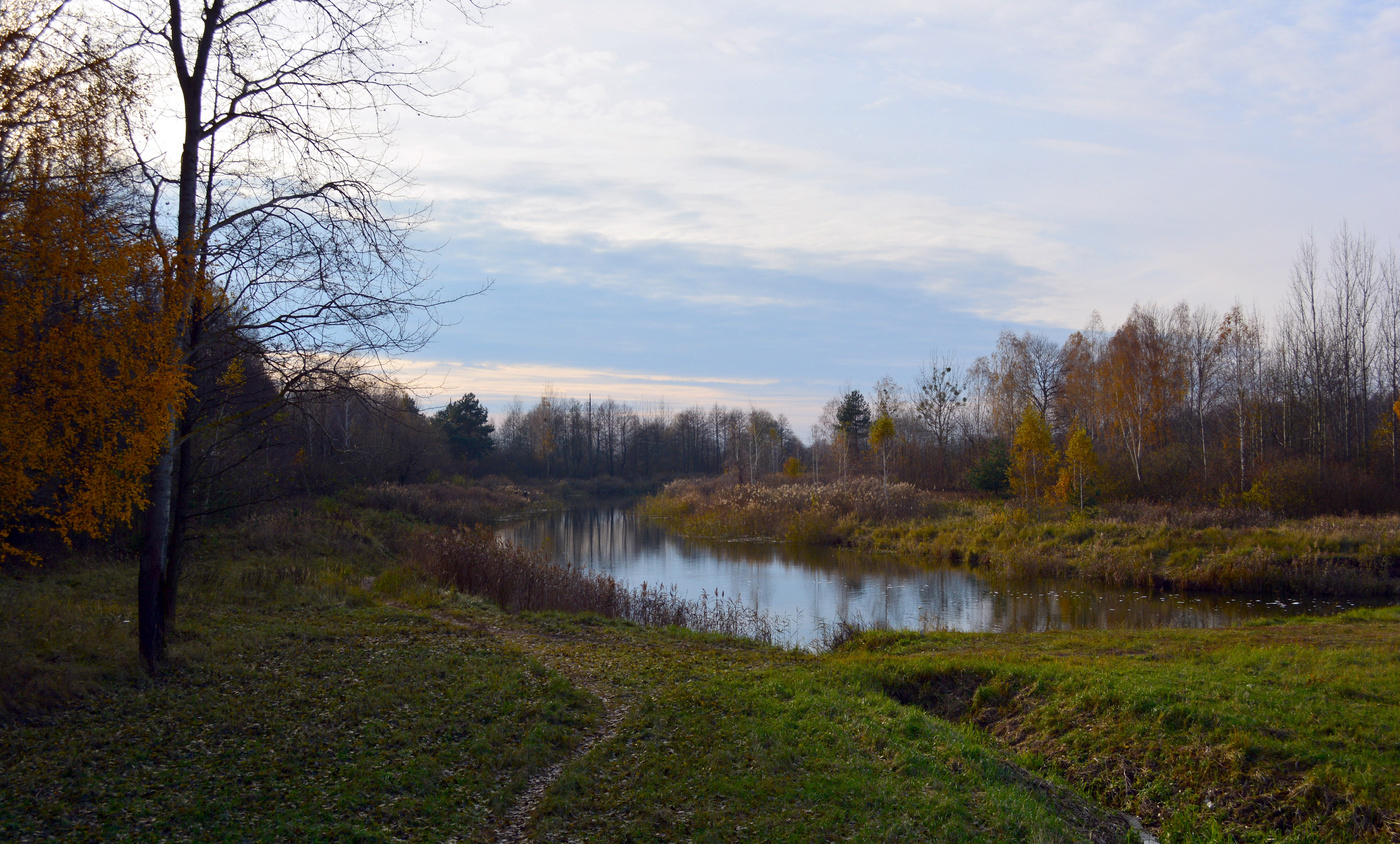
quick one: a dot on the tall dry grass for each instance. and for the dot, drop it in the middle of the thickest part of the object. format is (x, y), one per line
(794, 512)
(1160, 546)
(1128, 543)
(475, 561)
(445, 503)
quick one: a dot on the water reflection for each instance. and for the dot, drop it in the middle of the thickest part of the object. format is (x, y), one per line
(810, 585)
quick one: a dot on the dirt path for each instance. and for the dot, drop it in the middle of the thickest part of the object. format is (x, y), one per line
(615, 711)
(1097, 824)
(523, 812)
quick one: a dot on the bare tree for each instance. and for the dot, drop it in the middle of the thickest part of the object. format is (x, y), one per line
(281, 226)
(828, 429)
(1351, 279)
(1008, 384)
(1199, 333)
(940, 396)
(1025, 369)
(1044, 373)
(1241, 344)
(979, 419)
(1389, 352)
(1306, 318)
(1364, 304)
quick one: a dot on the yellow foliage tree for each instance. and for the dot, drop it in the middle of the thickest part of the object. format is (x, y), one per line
(1079, 467)
(1033, 456)
(1142, 380)
(882, 433)
(87, 372)
(85, 367)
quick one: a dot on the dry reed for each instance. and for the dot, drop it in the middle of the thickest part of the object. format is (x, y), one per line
(445, 503)
(795, 512)
(476, 561)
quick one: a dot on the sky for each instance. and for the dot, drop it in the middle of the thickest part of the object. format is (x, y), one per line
(770, 203)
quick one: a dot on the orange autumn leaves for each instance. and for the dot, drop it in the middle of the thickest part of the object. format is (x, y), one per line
(87, 369)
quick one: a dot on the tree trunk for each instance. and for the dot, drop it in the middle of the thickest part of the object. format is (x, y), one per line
(1395, 446)
(169, 487)
(150, 601)
(184, 478)
(179, 516)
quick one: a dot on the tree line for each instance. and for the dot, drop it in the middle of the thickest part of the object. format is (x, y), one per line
(588, 438)
(1296, 413)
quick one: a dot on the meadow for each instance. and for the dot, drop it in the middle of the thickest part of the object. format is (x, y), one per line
(334, 677)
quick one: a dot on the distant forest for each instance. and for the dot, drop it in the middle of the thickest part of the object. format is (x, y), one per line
(1297, 413)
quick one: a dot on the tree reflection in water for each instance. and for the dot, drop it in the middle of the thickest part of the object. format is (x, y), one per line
(813, 585)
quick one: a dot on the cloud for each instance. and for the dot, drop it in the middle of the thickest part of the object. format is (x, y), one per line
(500, 382)
(1080, 147)
(619, 167)
(1025, 161)
(669, 183)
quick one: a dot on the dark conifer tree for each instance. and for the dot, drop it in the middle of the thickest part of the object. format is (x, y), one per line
(853, 419)
(464, 423)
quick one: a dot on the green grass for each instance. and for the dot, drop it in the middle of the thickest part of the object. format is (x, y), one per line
(352, 725)
(297, 704)
(1286, 732)
(730, 741)
(319, 690)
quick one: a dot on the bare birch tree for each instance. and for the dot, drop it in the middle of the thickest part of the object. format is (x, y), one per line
(1351, 280)
(277, 209)
(1388, 354)
(1306, 317)
(1200, 339)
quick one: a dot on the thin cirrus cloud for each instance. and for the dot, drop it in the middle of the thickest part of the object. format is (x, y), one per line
(814, 187)
(663, 181)
(500, 383)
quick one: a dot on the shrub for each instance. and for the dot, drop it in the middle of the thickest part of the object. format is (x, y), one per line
(443, 503)
(992, 473)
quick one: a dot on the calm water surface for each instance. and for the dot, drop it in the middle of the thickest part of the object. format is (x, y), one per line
(809, 586)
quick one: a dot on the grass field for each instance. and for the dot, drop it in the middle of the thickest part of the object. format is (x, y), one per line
(1287, 731)
(321, 689)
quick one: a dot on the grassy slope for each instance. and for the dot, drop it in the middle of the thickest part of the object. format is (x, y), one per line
(728, 741)
(1252, 731)
(318, 692)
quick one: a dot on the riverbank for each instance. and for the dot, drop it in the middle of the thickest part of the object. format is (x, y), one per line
(1127, 544)
(1208, 735)
(321, 686)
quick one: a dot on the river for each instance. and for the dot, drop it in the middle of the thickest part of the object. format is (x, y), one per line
(809, 586)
